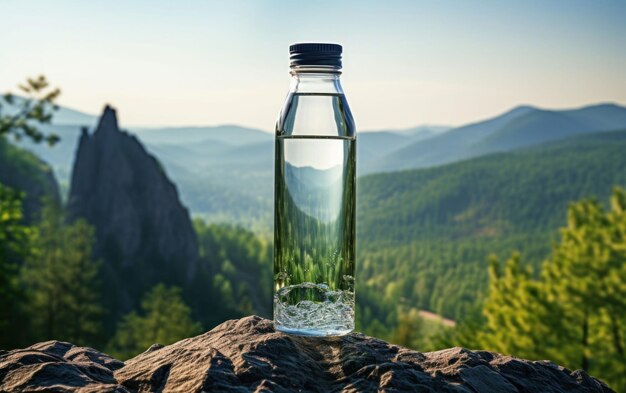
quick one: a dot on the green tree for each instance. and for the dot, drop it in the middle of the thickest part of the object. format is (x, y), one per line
(14, 238)
(586, 277)
(235, 267)
(165, 319)
(60, 277)
(520, 317)
(574, 313)
(19, 115)
(410, 330)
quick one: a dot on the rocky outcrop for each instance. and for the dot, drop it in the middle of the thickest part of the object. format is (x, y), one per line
(247, 355)
(55, 366)
(143, 233)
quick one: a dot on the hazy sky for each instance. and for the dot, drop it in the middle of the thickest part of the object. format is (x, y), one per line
(405, 62)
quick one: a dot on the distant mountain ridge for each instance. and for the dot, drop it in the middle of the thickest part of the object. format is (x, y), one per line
(237, 163)
(520, 127)
(62, 115)
(233, 135)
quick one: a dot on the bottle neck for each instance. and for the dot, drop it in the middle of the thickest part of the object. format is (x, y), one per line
(324, 80)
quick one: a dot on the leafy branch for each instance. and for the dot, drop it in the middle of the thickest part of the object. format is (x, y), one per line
(35, 108)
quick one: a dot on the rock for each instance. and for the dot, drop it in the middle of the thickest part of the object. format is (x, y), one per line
(144, 235)
(247, 355)
(56, 366)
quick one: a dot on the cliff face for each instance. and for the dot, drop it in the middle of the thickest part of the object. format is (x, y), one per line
(144, 234)
(247, 355)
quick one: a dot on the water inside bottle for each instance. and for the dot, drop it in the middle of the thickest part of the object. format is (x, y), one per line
(314, 238)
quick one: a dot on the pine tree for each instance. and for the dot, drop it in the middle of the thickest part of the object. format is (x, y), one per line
(615, 279)
(165, 319)
(19, 119)
(36, 107)
(13, 249)
(520, 319)
(575, 312)
(586, 276)
(61, 280)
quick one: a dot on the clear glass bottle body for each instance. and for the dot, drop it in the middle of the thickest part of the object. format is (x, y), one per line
(315, 209)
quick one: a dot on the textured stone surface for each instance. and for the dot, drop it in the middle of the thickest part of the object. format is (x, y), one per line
(144, 235)
(247, 355)
(55, 366)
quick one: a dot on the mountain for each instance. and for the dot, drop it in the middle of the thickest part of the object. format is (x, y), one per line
(371, 146)
(24, 171)
(70, 117)
(245, 172)
(176, 143)
(144, 235)
(62, 115)
(540, 126)
(425, 131)
(229, 134)
(603, 116)
(424, 235)
(233, 162)
(237, 163)
(520, 127)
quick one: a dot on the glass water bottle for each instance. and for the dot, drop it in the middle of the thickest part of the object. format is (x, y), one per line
(314, 216)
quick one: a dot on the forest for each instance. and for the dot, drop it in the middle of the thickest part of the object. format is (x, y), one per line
(525, 250)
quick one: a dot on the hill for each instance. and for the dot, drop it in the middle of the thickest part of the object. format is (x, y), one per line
(233, 162)
(63, 115)
(517, 128)
(424, 131)
(424, 235)
(24, 171)
(236, 163)
(229, 134)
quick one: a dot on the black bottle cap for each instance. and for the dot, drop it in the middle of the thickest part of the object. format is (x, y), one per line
(315, 54)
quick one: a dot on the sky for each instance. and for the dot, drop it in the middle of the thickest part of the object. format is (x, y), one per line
(406, 63)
